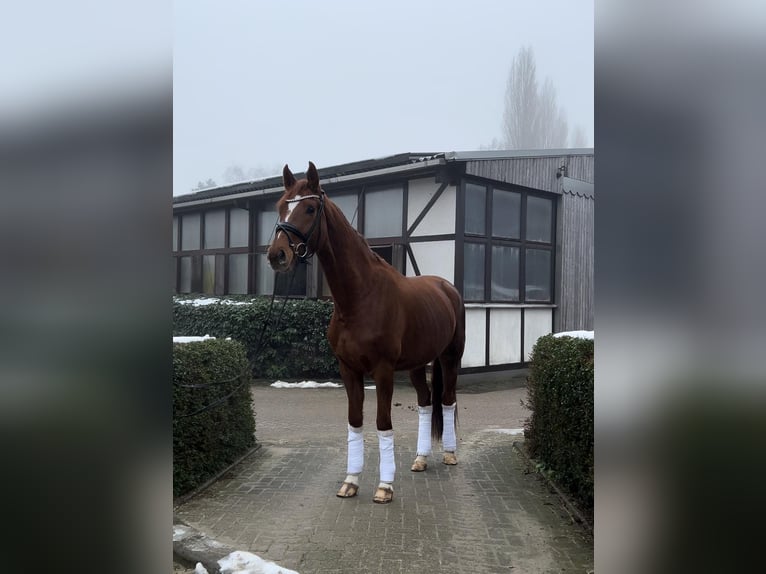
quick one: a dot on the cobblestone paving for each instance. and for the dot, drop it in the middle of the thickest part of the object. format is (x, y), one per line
(486, 515)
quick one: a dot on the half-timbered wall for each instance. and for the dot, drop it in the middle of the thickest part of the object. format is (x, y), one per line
(425, 224)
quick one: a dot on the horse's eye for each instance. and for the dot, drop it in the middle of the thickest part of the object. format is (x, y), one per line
(310, 209)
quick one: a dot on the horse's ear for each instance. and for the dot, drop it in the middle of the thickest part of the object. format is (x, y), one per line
(287, 177)
(313, 178)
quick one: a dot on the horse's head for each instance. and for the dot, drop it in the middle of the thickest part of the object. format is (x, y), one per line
(300, 212)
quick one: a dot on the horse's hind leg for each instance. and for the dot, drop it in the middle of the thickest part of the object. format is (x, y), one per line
(449, 364)
(418, 378)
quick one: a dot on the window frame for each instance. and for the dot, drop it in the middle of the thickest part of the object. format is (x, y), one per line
(221, 254)
(362, 212)
(489, 240)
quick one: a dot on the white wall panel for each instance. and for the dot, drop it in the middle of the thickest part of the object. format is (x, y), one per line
(475, 338)
(537, 322)
(504, 336)
(434, 258)
(420, 192)
(440, 219)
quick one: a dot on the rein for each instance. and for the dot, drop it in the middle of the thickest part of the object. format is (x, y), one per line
(301, 250)
(244, 376)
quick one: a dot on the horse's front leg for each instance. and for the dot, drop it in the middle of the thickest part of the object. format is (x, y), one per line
(384, 385)
(425, 410)
(354, 384)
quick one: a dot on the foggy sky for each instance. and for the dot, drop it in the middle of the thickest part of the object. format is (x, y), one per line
(261, 84)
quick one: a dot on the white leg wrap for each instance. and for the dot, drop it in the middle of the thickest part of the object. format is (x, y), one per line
(387, 466)
(355, 451)
(424, 430)
(449, 440)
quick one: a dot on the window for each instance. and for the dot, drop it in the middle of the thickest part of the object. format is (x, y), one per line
(475, 209)
(506, 214)
(383, 213)
(538, 274)
(539, 212)
(215, 229)
(386, 252)
(505, 273)
(266, 222)
(348, 205)
(265, 275)
(509, 256)
(208, 274)
(239, 227)
(190, 229)
(238, 273)
(473, 280)
(186, 275)
(294, 279)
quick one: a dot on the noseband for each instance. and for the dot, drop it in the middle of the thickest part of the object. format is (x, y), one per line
(301, 250)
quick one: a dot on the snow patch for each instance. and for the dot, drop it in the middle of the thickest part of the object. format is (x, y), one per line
(576, 334)
(369, 388)
(305, 385)
(192, 339)
(240, 562)
(513, 432)
(200, 569)
(209, 301)
(179, 532)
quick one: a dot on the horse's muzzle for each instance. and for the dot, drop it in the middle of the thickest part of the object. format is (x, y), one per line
(278, 259)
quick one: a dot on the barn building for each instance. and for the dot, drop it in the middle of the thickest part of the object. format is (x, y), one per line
(513, 230)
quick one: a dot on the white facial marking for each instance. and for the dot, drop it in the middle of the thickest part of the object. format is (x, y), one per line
(291, 206)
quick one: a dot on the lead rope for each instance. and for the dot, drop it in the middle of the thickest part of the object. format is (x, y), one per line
(250, 365)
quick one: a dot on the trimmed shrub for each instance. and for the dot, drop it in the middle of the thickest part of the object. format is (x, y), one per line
(559, 434)
(296, 347)
(205, 443)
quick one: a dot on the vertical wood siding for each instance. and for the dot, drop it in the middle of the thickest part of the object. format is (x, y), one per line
(534, 172)
(575, 281)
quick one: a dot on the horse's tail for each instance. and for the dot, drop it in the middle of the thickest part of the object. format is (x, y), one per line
(437, 389)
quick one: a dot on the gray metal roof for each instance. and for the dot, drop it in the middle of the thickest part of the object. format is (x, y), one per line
(514, 153)
(371, 167)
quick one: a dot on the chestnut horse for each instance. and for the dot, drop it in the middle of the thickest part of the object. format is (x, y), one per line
(382, 322)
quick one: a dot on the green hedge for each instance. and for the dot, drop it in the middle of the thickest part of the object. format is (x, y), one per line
(297, 348)
(559, 434)
(206, 443)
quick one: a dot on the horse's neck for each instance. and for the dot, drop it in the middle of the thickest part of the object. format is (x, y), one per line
(347, 262)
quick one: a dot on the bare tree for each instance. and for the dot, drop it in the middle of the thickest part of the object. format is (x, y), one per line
(204, 185)
(521, 102)
(234, 173)
(264, 171)
(532, 118)
(578, 137)
(494, 144)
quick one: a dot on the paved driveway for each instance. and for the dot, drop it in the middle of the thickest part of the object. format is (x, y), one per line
(486, 515)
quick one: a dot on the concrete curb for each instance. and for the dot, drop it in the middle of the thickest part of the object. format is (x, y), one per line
(570, 507)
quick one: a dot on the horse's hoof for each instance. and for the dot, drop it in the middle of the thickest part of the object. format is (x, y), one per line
(450, 458)
(419, 465)
(383, 495)
(348, 490)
